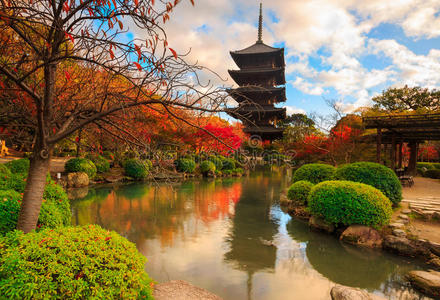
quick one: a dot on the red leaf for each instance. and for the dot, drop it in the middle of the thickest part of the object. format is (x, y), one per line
(174, 52)
(67, 75)
(138, 66)
(192, 2)
(112, 55)
(136, 2)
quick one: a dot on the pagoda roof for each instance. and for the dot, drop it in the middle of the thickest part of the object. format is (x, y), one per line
(266, 132)
(257, 48)
(240, 76)
(244, 112)
(255, 93)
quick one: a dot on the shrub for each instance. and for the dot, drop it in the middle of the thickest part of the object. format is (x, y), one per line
(217, 161)
(228, 164)
(227, 172)
(4, 170)
(9, 209)
(185, 165)
(102, 164)
(84, 262)
(428, 166)
(346, 202)
(19, 166)
(136, 168)
(373, 174)
(16, 182)
(207, 166)
(435, 174)
(315, 173)
(299, 191)
(108, 155)
(81, 165)
(238, 171)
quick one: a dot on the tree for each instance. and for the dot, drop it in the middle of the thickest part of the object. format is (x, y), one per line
(408, 98)
(296, 127)
(67, 64)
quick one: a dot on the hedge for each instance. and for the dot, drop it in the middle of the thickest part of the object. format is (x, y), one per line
(185, 165)
(314, 173)
(435, 174)
(4, 170)
(373, 174)
(19, 166)
(84, 262)
(136, 168)
(347, 202)
(81, 165)
(299, 191)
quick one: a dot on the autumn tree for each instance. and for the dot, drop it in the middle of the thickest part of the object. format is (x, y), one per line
(408, 98)
(69, 63)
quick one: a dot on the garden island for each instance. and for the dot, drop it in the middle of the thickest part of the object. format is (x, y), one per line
(137, 163)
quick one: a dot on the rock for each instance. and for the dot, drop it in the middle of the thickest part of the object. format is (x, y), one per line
(399, 233)
(397, 225)
(77, 179)
(404, 217)
(427, 282)
(435, 248)
(181, 290)
(284, 200)
(403, 246)
(406, 211)
(319, 224)
(362, 236)
(435, 262)
(340, 292)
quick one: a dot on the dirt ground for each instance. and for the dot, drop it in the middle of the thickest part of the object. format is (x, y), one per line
(423, 188)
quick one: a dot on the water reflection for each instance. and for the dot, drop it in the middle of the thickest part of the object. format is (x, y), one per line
(230, 237)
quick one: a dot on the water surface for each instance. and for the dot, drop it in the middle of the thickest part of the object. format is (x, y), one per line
(231, 237)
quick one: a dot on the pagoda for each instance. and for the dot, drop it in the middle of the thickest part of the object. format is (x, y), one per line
(260, 79)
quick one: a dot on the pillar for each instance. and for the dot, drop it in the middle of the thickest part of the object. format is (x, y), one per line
(412, 166)
(378, 144)
(393, 153)
(400, 155)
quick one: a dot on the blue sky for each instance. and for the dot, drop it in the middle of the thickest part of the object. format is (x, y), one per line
(345, 50)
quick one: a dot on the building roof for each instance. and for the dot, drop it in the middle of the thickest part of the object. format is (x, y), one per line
(257, 48)
(257, 94)
(252, 76)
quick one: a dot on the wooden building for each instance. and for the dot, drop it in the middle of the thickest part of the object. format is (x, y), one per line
(260, 78)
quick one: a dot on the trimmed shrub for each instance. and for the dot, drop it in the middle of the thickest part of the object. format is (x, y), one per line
(84, 262)
(426, 165)
(347, 202)
(227, 172)
(217, 161)
(16, 182)
(238, 171)
(373, 174)
(299, 191)
(314, 173)
(19, 166)
(9, 209)
(108, 155)
(207, 166)
(228, 164)
(136, 168)
(4, 170)
(81, 165)
(185, 165)
(102, 164)
(432, 173)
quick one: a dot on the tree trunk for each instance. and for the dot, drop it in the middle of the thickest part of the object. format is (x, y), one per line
(33, 193)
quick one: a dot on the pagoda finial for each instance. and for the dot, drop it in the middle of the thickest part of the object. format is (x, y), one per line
(260, 25)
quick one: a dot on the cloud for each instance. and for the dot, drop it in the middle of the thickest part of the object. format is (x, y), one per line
(290, 110)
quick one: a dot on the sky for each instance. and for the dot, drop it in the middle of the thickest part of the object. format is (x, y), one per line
(342, 50)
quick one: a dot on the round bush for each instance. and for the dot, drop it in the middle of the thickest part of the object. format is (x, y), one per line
(207, 167)
(299, 191)
(228, 164)
(185, 165)
(84, 262)
(4, 170)
(81, 165)
(19, 166)
(136, 168)
(314, 173)
(435, 174)
(217, 161)
(347, 202)
(373, 174)
(238, 171)
(102, 164)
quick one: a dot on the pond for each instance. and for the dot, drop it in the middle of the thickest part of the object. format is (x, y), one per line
(231, 237)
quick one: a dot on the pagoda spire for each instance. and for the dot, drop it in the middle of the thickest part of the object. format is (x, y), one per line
(260, 25)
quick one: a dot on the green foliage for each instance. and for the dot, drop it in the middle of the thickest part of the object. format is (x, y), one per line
(299, 191)
(84, 262)
(408, 98)
(185, 165)
(432, 173)
(207, 166)
(102, 164)
(108, 155)
(228, 164)
(315, 173)
(237, 171)
(217, 160)
(16, 182)
(9, 209)
(19, 166)
(227, 172)
(81, 165)
(373, 174)
(4, 170)
(55, 195)
(346, 202)
(136, 168)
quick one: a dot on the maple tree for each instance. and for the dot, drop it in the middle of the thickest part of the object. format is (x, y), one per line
(68, 64)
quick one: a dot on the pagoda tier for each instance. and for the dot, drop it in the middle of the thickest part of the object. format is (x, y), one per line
(261, 72)
(257, 113)
(258, 94)
(266, 77)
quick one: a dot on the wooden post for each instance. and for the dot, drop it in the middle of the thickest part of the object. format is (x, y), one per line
(385, 149)
(412, 166)
(400, 154)
(378, 145)
(393, 153)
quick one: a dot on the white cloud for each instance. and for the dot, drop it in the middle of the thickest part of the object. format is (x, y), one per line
(290, 110)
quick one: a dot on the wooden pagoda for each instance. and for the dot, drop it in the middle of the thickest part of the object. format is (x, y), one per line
(260, 78)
